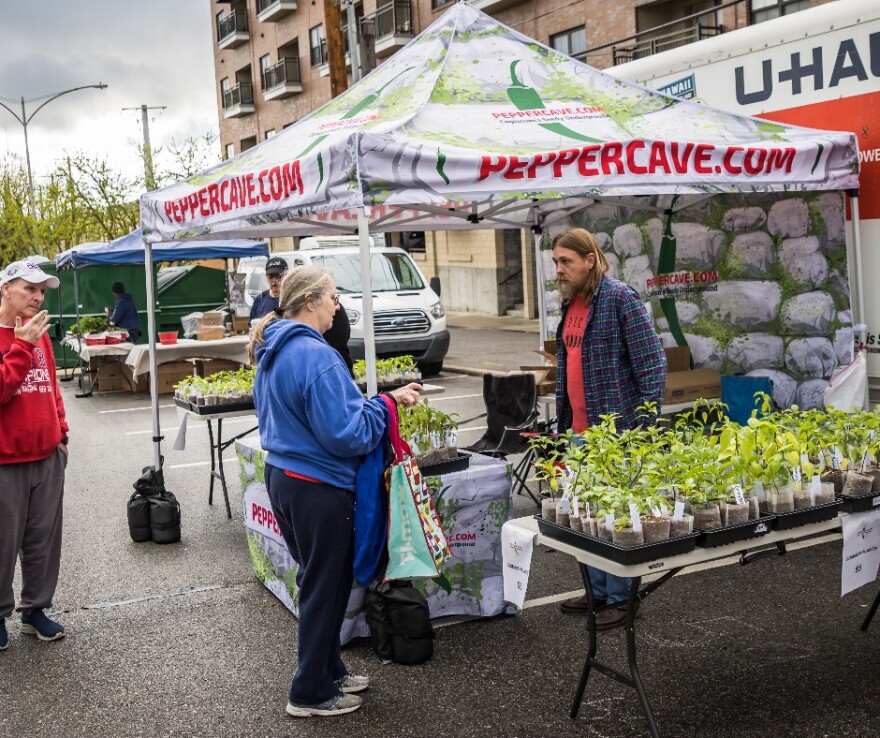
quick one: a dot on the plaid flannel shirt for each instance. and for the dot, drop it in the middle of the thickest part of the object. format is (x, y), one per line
(621, 354)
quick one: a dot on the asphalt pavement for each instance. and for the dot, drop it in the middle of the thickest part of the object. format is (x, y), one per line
(182, 640)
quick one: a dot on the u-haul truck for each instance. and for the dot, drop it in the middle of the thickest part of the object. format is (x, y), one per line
(818, 68)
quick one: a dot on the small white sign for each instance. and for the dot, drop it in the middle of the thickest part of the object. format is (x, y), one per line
(516, 552)
(609, 521)
(565, 506)
(678, 514)
(634, 516)
(738, 494)
(836, 458)
(861, 551)
(664, 511)
(796, 475)
(758, 489)
(575, 506)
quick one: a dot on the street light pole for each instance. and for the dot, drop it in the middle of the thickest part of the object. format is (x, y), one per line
(25, 119)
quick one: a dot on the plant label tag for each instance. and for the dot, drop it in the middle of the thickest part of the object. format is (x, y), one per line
(414, 445)
(678, 514)
(634, 516)
(565, 506)
(738, 494)
(815, 488)
(575, 507)
(451, 437)
(759, 491)
(805, 459)
(609, 521)
(664, 511)
(435, 439)
(821, 460)
(655, 511)
(866, 459)
(796, 474)
(836, 458)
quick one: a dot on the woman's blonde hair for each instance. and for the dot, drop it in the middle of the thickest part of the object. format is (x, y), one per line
(301, 285)
(583, 242)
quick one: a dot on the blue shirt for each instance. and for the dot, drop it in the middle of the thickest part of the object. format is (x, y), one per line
(125, 314)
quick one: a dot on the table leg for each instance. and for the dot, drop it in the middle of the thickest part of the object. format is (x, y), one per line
(591, 647)
(871, 612)
(632, 605)
(213, 464)
(220, 449)
(87, 377)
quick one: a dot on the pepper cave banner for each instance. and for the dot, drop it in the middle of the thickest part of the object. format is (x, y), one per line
(754, 284)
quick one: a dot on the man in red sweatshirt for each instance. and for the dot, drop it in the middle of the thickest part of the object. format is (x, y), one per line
(33, 451)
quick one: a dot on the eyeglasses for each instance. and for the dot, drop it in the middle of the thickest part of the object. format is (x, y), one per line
(335, 298)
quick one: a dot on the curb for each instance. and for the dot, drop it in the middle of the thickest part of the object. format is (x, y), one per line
(473, 370)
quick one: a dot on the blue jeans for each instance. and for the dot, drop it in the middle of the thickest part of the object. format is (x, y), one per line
(609, 587)
(317, 523)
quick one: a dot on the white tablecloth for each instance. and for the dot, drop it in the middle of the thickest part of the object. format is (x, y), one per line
(233, 348)
(88, 352)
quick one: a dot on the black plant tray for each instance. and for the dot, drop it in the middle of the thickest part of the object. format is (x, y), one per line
(624, 555)
(816, 514)
(860, 503)
(214, 409)
(447, 466)
(734, 533)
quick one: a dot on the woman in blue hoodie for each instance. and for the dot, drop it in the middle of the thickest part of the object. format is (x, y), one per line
(316, 426)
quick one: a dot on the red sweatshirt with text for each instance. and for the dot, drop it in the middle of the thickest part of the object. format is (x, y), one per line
(32, 419)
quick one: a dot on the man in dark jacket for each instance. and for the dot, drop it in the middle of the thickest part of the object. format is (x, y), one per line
(124, 314)
(609, 360)
(267, 301)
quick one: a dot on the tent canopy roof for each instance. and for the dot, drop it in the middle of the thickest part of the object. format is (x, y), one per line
(473, 123)
(129, 249)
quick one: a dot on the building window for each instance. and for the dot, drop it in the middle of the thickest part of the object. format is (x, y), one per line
(572, 42)
(271, 132)
(230, 151)
(439, 3)
(317, 47)
(763, 10)
(248, 143)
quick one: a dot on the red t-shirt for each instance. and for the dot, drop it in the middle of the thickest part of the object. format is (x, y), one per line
(573, 336)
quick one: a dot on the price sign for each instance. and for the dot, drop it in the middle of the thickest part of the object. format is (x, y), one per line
(738, 494)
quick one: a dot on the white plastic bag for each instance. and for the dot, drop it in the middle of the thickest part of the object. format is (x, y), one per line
(848, 388)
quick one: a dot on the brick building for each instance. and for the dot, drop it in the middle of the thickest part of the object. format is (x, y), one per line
(270, 62)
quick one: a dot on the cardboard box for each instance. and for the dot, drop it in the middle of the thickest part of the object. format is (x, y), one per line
(213, 317)
(240, 324)
(211, 333)
(207, 367)
(684, 384)
(110, 377)
(168, 375)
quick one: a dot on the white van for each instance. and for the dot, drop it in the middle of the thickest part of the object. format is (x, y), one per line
(407, 313)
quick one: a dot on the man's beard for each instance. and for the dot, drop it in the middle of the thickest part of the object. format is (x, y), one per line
(569, 291)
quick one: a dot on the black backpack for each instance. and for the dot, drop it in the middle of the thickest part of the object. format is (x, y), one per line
(400, 622)
(153, 511)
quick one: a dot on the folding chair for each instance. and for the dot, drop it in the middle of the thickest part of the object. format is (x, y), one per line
(511, 415)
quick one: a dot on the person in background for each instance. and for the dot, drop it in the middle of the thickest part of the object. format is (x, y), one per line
(609, 360)
(316, 427)
(337, 335)
(33, 452)
(124, 313)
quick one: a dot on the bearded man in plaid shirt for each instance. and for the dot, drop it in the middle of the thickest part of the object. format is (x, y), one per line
(610, 360)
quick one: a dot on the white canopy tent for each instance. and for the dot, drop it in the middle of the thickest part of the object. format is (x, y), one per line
(474, 125)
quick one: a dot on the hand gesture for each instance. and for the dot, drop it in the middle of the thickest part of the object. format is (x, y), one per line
(407, 396)
(34, 329)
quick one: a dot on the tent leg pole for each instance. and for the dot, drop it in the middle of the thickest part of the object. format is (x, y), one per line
(538, 232)
(151, 335)
(367, 292)
(861, 319)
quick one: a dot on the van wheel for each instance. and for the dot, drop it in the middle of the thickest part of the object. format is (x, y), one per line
(432, 368)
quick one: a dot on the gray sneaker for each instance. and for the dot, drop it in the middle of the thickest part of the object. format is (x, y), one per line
(338, 705)
(352, 683)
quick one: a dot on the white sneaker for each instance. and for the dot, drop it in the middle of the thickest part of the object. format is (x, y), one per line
(338, 705)
(352, 683)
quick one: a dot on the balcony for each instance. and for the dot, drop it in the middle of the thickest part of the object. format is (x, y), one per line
(653, 43)
(492, 6)
(282, 80)
(274, 10)
(232, 30)
(391, 26)
(238, 101)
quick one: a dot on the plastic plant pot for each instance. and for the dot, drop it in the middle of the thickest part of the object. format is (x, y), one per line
(168, 339)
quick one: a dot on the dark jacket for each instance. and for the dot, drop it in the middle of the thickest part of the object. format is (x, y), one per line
(125, 315)
(337, 336)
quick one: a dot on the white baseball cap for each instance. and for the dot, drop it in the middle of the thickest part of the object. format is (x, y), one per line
(28, 270)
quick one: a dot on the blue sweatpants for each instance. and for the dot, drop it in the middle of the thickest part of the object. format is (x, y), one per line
(317, 522)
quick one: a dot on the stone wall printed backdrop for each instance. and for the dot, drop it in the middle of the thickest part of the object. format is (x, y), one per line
(758, 287)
